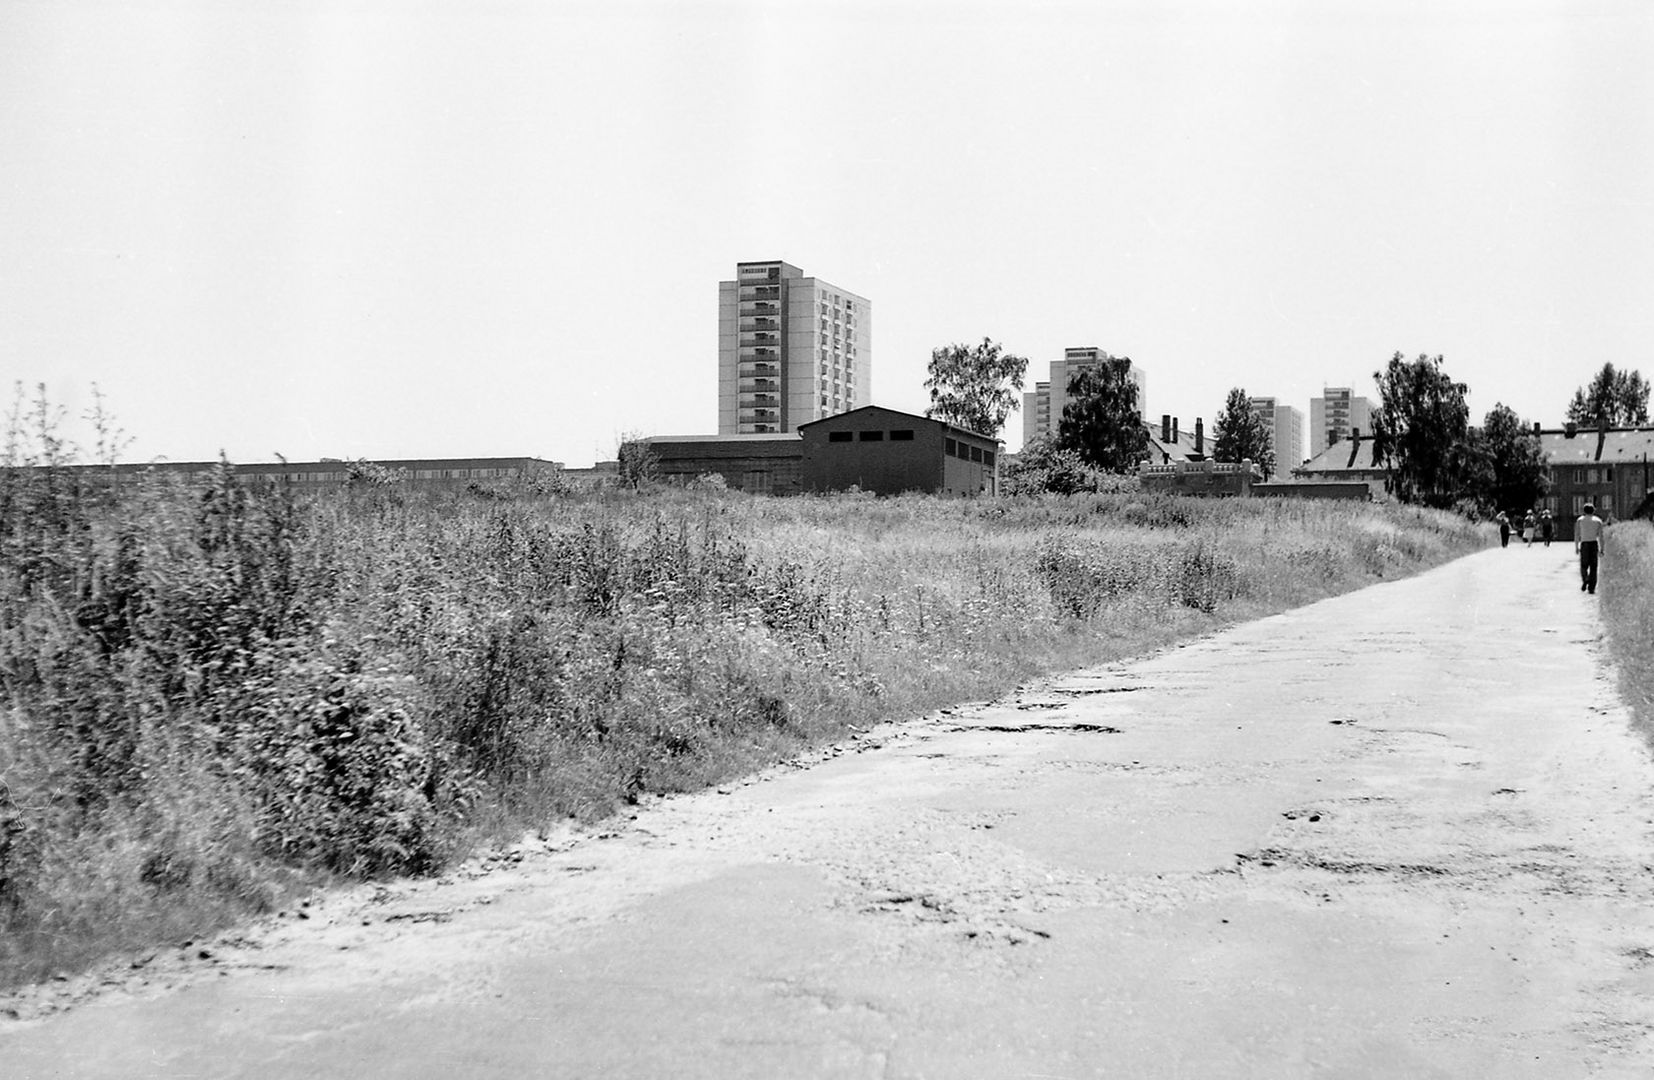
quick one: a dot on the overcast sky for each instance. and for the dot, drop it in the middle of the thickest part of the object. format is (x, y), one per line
(409, 229)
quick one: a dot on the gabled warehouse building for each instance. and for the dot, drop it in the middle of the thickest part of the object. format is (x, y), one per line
(889, 452)
(872, 448)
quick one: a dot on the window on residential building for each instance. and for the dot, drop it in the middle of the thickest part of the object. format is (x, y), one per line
(902, 435)
(1579, 504)
(1605, 506)
(976, 453)
(839, 436)
(987, 457)
(951, 447)
(872, 436)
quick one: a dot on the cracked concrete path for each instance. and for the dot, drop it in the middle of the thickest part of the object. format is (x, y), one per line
(1401, 833)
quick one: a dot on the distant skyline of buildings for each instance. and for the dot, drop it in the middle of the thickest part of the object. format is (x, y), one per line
(794, 348)
(791, 349)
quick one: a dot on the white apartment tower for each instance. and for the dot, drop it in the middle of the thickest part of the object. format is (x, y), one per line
(791, 349)
(1285, 428)
(1333, 414)
(1042, 408)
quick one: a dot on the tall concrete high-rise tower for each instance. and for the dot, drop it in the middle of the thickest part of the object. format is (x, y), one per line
(791, 349)
(1333, 414)
(1285, 427)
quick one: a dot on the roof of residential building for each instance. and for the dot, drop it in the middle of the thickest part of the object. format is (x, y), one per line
(1170, 451)
(1590, 445)
(1345, 455)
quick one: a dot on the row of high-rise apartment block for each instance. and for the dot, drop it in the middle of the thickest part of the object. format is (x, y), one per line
(1042, 407)
(791, 349)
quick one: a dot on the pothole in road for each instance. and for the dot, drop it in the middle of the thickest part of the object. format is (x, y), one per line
(1017, 729)
(421, 916)
(1271, 858)
(928, 909)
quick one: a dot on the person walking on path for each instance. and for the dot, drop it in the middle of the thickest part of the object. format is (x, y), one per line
(1530, 528)
(1547, 527)
(1588, 543)
(1504, 529)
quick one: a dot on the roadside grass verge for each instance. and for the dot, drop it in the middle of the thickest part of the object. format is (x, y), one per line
(1627, 593)
(219, 695)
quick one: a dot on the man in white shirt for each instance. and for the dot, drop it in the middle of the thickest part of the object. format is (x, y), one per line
(1588, 543)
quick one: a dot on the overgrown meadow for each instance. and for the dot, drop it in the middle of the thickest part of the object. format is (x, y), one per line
(218, 695)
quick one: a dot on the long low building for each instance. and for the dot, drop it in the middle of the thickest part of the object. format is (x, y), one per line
(763, 464)
(337, 472)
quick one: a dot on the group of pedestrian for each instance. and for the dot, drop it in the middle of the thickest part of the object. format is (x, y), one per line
(1528, 528)
(1587, 538)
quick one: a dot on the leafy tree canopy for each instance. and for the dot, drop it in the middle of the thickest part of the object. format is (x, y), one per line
(1101, 421)
(974, 386)
(1419, 429)
(1504, 467)
(1617, 398)
(1240, 433)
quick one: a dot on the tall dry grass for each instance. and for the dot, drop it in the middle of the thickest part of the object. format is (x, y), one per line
(219, 694)
(1626, 576)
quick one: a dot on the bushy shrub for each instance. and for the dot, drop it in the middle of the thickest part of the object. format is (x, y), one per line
(1043, 468)
(333, 747)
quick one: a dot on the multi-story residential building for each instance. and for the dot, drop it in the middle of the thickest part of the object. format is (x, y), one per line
(1042, 409)
(791, 349)
(1285, 428)
(1606, 467)
(1333, 414)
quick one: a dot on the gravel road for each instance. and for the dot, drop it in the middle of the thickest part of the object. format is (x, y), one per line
(1402, 833)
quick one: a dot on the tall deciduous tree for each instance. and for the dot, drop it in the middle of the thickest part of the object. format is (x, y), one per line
(1240, 434)
(1617, 398)
(974, 386)
(1101, 421)
(1515, 464)
(1419, 429)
